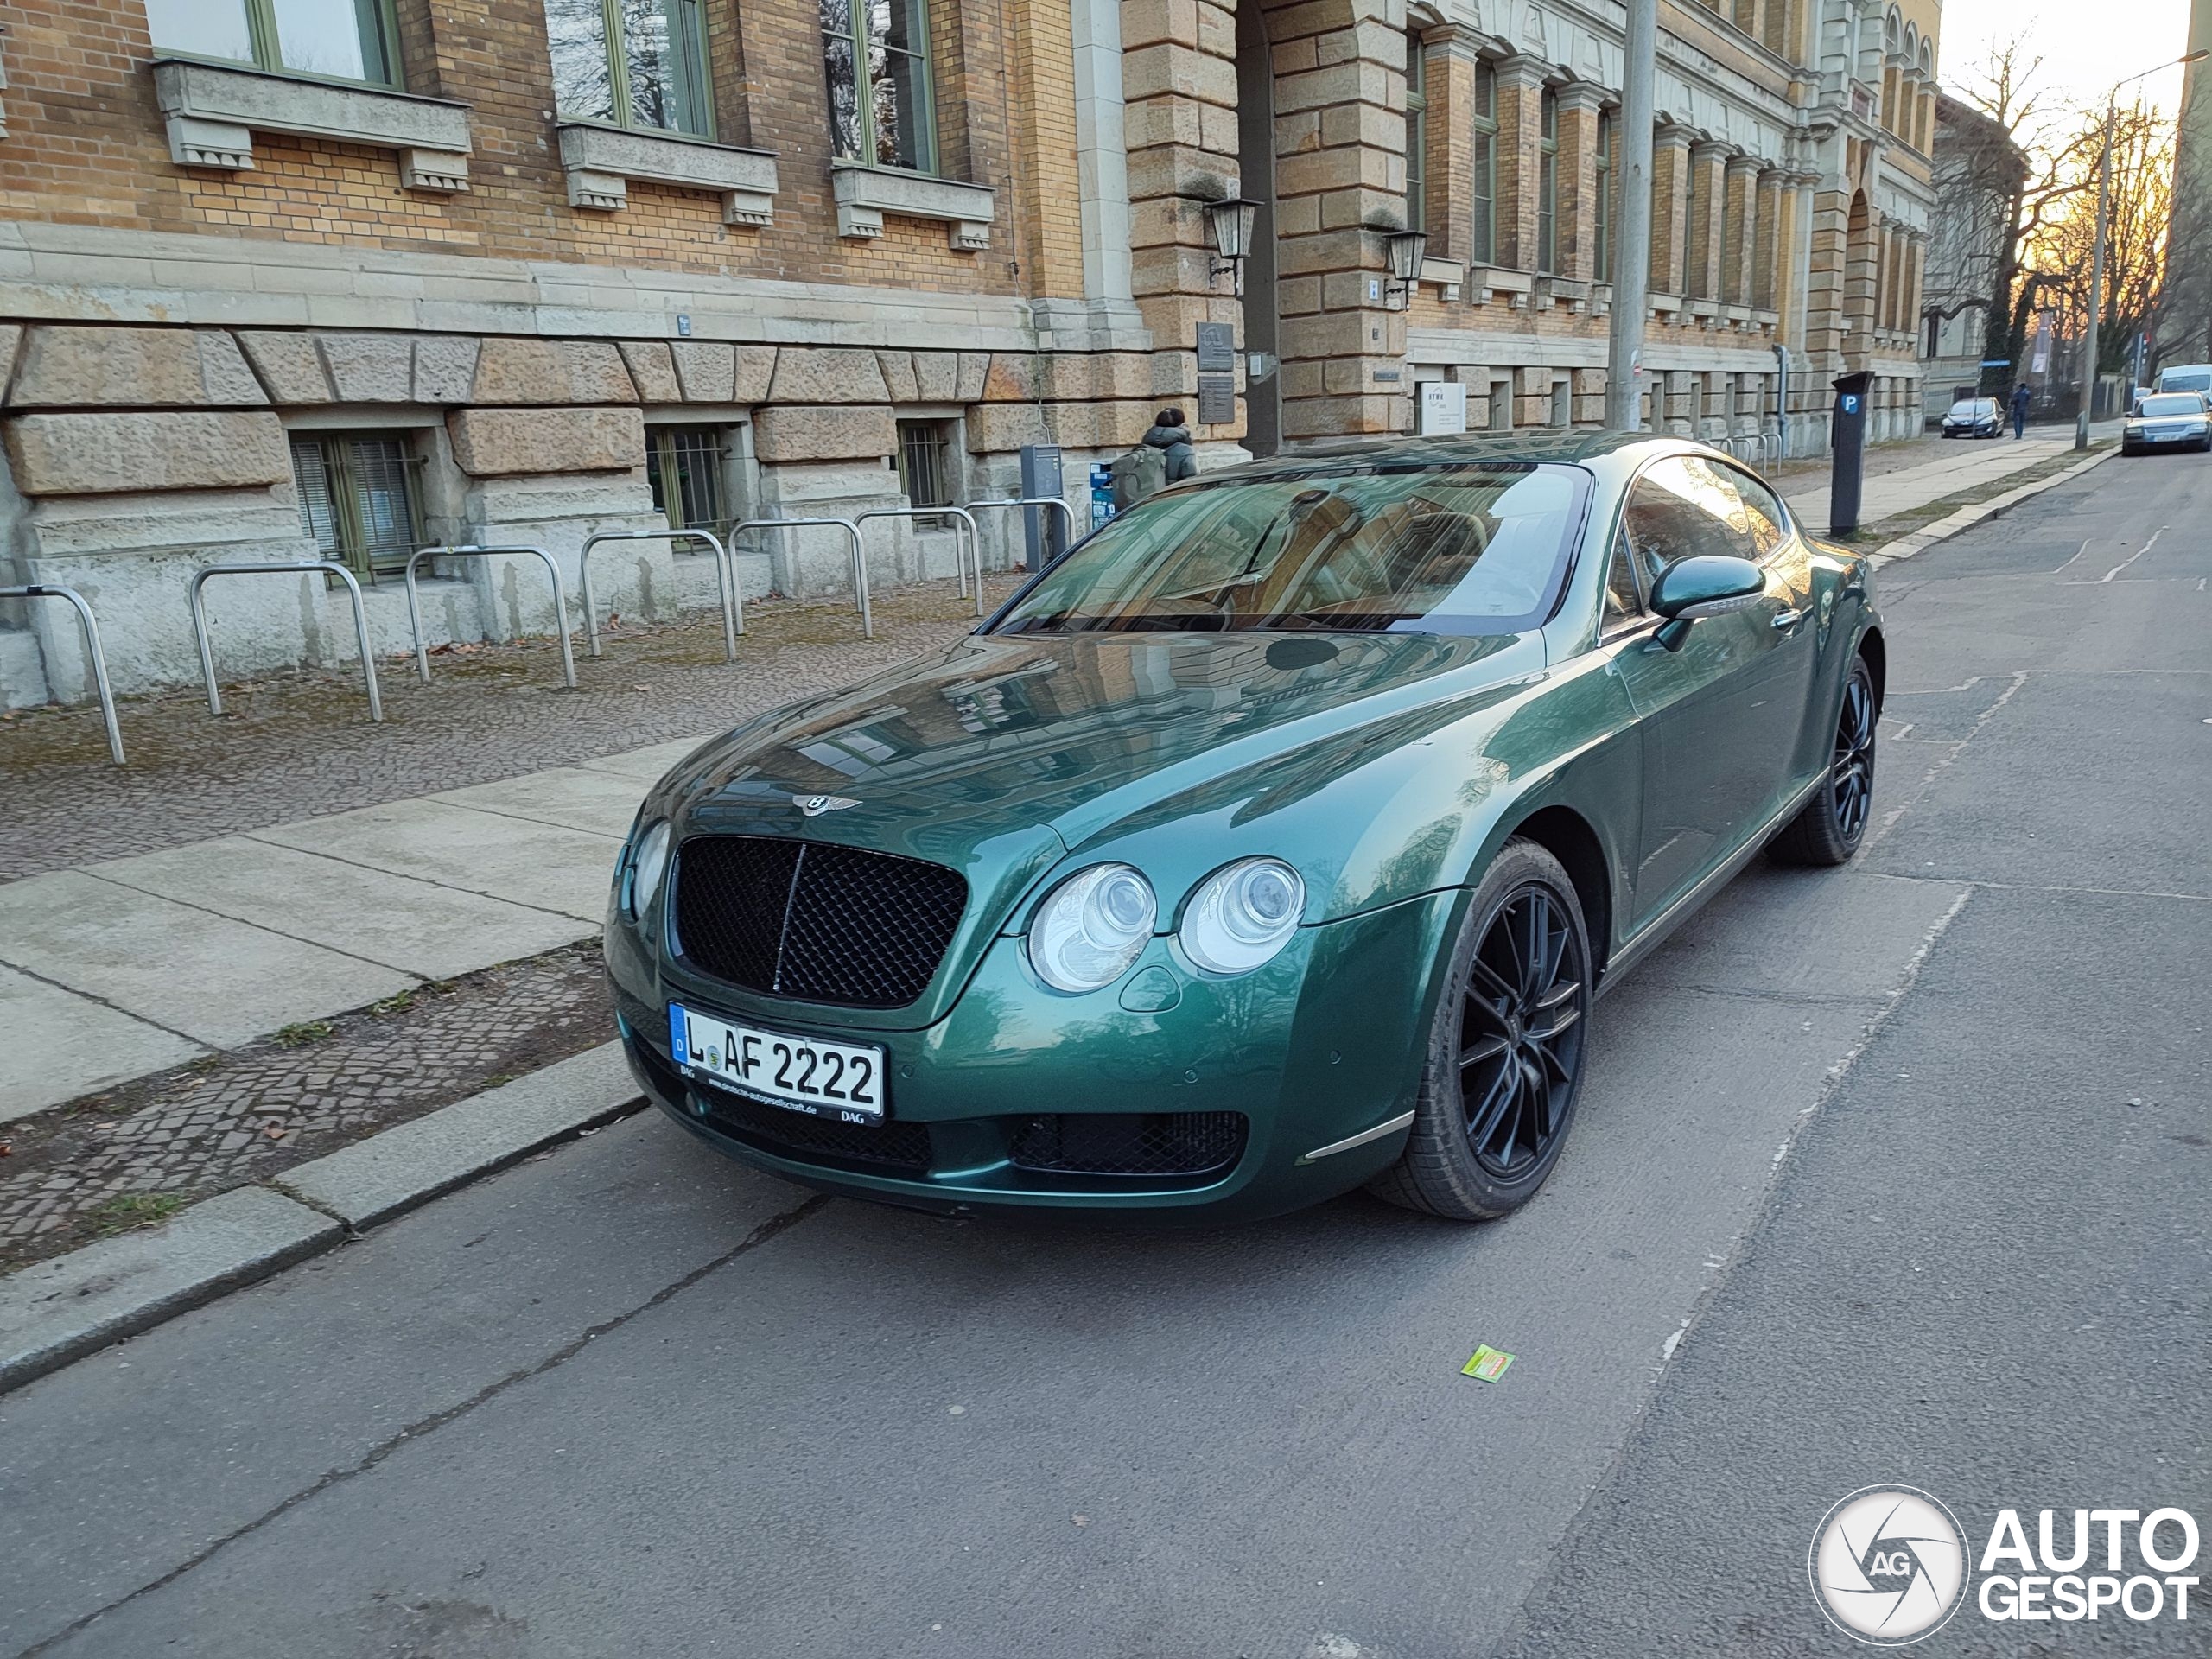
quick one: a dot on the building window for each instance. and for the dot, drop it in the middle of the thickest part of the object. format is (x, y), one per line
(925, 462)
(357, 499)
(1601, 218)
(687, 466)
(1484, 232)
(1548, 184)
(1693, 242)
(633, 63)
(335, 39)
(1416, 135)
(875, 55)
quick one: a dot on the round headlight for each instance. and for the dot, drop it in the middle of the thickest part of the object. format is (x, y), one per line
(1092, 927)
(647, 867)
(1241, 915)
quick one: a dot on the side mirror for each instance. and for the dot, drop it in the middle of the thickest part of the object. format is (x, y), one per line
(1709, 584)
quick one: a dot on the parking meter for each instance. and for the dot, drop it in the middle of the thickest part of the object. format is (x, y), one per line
(1848, 427)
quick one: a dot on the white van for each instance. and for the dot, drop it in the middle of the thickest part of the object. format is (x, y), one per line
(2187, 377)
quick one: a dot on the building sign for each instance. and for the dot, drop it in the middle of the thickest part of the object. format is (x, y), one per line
(1443, 407)
(2039, 352)
(1217, 399)
(1216, 348)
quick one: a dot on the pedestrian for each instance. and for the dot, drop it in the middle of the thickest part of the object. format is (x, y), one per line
(2020, 396)
(1171, 437)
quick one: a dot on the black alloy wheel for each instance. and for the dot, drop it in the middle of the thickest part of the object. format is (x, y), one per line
(1507, 1047)
(1521, 1032)
(1850, 773)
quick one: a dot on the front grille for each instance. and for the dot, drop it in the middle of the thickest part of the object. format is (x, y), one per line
(1130, 1143)
(805, 920)
(900, 1146)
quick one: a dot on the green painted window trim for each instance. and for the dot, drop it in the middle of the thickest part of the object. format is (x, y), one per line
(1416, 134)
(698, 84)
(269, 52)
(923, 52)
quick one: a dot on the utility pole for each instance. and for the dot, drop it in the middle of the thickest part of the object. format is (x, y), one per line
(2096, 288)
(1632, 242)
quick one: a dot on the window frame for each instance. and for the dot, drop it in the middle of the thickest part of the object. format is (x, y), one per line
(353, 550)
(941, 437)
(664, 478)
(1417, 132)
(1601, 234)
(697, 73)
(1546, 262)
(267, 48)
(869, 141)
(1482, 222)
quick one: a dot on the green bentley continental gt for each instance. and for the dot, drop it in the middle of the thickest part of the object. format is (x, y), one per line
(1277, 840)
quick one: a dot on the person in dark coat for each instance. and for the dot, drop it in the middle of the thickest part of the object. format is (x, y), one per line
(2020, 396)
(1171, 437)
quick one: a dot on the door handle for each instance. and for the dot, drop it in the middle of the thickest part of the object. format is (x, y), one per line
(1785, 620)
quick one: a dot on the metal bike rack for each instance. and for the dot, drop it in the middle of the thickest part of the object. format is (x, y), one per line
(71, 597)
(961, 520)
(328, 567)
(859, 556)
(725, 574)
(560, 601)
(1067, 512)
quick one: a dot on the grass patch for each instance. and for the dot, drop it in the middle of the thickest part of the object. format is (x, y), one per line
(128, 1211)
(1904, 524)
(300, 1035)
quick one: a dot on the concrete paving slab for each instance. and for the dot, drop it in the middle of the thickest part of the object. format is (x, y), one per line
(546, 865)
(416, 926)
(648, 764)
(387, 1173)
(60, 1045)
(55, 1312)
(220, 982)
(573, 796)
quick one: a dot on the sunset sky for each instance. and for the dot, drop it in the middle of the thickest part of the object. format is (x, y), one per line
(2086, 45)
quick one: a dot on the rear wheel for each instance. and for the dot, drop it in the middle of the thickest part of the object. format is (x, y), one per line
(1833, 822)
(1506, 1053)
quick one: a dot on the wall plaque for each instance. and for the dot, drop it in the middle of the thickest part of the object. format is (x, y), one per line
(1216, 347)
(1217, 399)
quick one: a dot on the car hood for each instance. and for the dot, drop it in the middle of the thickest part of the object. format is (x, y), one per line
(1007, 753)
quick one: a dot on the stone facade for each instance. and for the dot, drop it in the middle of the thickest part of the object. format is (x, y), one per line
(243, 315)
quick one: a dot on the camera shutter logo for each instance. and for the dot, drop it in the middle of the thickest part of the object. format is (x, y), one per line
(1889, 1566)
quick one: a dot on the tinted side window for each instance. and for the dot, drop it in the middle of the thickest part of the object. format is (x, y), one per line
(1762, 515)
(1623, 605)
(1680, 507)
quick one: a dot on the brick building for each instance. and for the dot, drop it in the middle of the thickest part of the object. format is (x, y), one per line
(283, 277)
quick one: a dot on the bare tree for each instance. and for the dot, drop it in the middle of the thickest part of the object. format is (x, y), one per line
(2138, 259)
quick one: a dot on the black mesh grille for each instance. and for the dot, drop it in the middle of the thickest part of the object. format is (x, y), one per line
(802, 919)
(905, 1145)
(1130, 1143)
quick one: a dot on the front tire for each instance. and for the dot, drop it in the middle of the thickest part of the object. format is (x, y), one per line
(1833, 822)
(1507, 1050)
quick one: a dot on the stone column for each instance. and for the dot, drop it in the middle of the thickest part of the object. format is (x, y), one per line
(1578, 103)
(1451, 57)
(1738, 243)
(1670, 177)
(1340, 137)
(1101, 156)
(1519, 138)
(1707, 158)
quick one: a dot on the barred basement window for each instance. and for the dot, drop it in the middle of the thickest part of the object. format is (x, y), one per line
(1548, 185)
(631, 63)
(1484, 217)
(875, 58)
(333, 39)
(357, 499)
(687, 472)
(925, 462)
(1416, 135)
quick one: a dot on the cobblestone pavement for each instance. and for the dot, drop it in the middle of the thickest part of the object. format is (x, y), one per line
(297, 745)
(135, 1153)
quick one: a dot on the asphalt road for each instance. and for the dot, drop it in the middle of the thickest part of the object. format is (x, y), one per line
(1897, 1173)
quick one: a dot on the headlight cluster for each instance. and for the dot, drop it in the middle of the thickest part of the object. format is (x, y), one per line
(645, 863)
(1094, 923)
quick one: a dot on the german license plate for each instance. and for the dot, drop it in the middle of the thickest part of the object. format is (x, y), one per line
(824, 1079)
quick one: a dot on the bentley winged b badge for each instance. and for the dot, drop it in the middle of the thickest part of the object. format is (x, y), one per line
(815, 805)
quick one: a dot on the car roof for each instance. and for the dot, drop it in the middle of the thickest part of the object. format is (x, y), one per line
(1551, 444)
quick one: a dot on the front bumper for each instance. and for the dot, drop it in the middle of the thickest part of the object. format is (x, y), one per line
(1326, 1041)
(2168, 439)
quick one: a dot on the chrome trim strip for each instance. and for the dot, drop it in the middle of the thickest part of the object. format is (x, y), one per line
(1359, 1140)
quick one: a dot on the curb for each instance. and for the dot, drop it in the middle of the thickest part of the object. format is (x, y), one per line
(57, 1312)
(1976, 513)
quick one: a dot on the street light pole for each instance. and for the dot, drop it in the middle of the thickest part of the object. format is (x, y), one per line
(1632, 245)
(2088, 371)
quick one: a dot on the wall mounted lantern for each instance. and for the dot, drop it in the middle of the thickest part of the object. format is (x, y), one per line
(1229, 223)
(1406, 249)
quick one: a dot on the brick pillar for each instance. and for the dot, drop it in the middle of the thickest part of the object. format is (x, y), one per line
(1340, 137)
(1579, 103)
(1451, 140)
(1707, 159)
(1178, 85)
(1671, 183)
(1736, 244)
(1766, 239)
(1519, 140)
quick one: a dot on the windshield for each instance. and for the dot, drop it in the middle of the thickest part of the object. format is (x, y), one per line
(1968, 406)
(1479, 548)
(2184, 404)
(2186, 380)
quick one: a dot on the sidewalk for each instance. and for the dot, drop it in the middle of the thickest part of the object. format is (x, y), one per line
(1958, 465)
